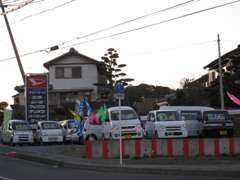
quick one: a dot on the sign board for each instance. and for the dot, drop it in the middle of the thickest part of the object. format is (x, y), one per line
(36, 97)
(120, 96)
(119, 88)
(119, 92)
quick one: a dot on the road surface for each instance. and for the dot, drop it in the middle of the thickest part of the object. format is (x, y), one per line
(16, 169)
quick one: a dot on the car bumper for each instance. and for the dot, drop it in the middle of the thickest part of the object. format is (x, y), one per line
(20, 140)
(127, 135)
(218, 131)
(52, 139)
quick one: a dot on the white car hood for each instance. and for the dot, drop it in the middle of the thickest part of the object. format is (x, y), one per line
(23, 132)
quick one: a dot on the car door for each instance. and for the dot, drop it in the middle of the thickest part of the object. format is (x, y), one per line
(150, 126)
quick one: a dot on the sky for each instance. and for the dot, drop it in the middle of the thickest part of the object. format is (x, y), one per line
(162, 54)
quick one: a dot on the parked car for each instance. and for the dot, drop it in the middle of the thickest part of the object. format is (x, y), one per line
(17, 132)
(49, 132)
(130, 125)
(217, 122)
(192, 115)
(72, 130)
(165, 124)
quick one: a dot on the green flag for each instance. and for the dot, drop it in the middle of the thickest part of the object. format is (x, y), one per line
(102, 113)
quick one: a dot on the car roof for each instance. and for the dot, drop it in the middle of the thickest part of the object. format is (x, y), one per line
(121, 107)
(40, 122)
(187, 108)
(17, 120)
(165, 110)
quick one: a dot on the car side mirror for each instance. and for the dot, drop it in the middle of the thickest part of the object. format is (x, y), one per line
(38, 128)
(10, 128)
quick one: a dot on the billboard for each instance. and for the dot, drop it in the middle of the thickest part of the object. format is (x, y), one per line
(36, 97)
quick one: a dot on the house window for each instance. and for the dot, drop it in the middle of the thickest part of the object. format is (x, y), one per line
(59, 72)
(68, 72)
(76, 72)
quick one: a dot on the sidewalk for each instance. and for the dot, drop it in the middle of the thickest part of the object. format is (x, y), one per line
(221, 166)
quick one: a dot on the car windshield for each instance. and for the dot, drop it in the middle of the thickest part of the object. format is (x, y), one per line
(167, 116)
(20, 126)
(50, 125)
(125, 115)
(190, 115)
(215, 116)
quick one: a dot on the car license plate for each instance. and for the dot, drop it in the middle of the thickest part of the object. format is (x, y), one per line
(223, 132)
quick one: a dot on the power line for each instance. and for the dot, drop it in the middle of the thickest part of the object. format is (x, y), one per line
(154, 24)
(165, 49)
(44, 11)
(131, 30)
(129, 21)
(102, 30)
(17, 7)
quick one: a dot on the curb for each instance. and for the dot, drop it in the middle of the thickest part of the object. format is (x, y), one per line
(126, 168)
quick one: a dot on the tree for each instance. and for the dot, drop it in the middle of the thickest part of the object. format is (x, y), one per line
(114, 70)
(3, 105)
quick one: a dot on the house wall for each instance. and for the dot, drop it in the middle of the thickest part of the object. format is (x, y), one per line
(89, 75)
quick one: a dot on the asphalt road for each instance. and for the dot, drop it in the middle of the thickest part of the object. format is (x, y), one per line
(16, 169)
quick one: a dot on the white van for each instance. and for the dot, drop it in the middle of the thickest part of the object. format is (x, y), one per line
(165, 124)
(17, 132)
(192, 115)
(49, 131)
(129, 125)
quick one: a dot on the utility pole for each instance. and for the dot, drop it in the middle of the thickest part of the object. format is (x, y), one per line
(220, 73)
(13, 42)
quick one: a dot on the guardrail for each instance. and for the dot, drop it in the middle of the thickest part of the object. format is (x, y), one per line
(139, 148)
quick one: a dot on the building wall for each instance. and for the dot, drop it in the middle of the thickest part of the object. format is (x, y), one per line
(87, 81)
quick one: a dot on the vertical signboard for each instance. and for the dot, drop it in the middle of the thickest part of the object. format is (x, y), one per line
(36, 97)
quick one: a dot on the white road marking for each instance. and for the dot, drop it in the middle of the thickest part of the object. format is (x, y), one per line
(4, 178)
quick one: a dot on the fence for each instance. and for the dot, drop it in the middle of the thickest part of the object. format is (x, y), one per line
(163, 147)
